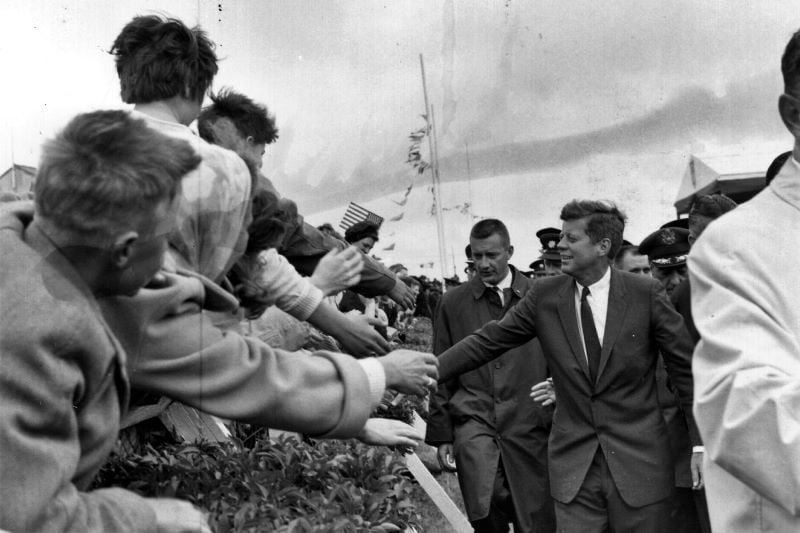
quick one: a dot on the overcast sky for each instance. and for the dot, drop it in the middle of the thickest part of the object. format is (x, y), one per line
(535, 102)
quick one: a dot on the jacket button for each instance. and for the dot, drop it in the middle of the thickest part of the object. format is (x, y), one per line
(498, 365)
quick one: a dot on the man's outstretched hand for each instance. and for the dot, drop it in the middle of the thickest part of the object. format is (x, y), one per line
(410, 372)
(402, 295)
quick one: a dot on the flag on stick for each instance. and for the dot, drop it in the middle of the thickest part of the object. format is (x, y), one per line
(356, 213)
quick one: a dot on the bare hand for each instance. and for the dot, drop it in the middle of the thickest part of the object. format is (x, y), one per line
(544, 392)
(410, 372)
(447, 460)
(696, 464)
(401, 294)
(359, 338)
(178, 516)
(338, 270)
(388, 432)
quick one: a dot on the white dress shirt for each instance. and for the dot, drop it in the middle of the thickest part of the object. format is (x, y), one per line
(505, 283)
(598, 302)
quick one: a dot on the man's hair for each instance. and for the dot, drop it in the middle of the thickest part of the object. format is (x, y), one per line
(606, 221)
(624, 250)
(158, 58)
(361, 230)
(251, 119)
(488, 227)
(711, 205)
(790, 65)
(104, 171)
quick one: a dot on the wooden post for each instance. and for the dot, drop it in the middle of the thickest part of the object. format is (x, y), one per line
(435, 491)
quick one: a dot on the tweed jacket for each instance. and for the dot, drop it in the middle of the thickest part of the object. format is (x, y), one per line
(63, 388)
(175, 349)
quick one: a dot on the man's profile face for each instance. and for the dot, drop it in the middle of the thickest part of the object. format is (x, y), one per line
(579, 255)
(635, 264)
(146, 255)
(253, 152)
(365, 245)
(491, 257)
(670, 277)
(697, 224)
(551, 268)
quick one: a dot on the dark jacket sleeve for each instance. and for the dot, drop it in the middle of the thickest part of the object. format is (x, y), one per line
(676, 349)
(440, 425)
(517, 327)
(304, 245)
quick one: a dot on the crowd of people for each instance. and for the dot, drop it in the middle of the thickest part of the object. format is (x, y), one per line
(154, 260)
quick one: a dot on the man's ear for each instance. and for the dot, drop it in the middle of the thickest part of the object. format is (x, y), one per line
(122, 249)
(605, 246)
(789, 108)
(510, 251)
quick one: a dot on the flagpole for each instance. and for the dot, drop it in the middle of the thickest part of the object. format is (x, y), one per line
(429, 119)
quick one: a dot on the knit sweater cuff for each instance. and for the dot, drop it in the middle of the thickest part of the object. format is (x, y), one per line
(376, 376)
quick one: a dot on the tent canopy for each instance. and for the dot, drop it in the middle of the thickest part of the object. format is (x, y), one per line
(738, 176)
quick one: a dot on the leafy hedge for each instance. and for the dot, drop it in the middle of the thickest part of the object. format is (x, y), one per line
(283, 485)
(256, 484)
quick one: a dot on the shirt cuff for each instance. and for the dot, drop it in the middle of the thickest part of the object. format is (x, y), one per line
(376, 376)
(698, 449)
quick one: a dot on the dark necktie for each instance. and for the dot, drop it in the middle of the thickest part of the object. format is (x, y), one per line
(495, 301)
(590, 338)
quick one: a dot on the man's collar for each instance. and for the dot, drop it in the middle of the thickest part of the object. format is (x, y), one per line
(602, 284)
(505, 283)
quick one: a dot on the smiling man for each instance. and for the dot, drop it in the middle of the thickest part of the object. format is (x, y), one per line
(483, 423)
(600, 331)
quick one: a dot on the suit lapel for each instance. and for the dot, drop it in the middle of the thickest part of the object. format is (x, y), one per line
(614, 319)
(569, 320)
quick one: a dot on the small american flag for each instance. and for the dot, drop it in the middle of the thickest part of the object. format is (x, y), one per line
(356, 213)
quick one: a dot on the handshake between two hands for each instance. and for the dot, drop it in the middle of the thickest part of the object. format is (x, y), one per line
(409, 372)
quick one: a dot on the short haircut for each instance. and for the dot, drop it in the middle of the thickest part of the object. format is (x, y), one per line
(790, 65)
(104, 171)
(488, 227)
(606, 221)
(271, 220)
(158, 58)
(251, 119)
(361, 230)
(624, 250)
(711, 205)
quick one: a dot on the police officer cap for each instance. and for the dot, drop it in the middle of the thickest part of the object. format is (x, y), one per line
(537, 266)
(549, 238)
(666, 247)
(677, 223)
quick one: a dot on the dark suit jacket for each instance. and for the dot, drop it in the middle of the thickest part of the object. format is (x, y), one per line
(487, 413)
(620, 411)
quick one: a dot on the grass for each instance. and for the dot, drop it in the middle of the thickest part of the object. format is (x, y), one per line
(433, 521)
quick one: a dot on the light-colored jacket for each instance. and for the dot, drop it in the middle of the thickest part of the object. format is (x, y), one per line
(62, 390)
(175, 349)
(746, 301)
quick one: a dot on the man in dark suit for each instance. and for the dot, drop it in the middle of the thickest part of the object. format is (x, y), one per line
(484, 419)
(600, 331)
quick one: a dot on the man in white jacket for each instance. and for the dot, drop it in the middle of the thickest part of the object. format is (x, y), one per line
(745, 293)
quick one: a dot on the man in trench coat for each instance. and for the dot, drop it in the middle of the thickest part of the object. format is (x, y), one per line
(484, 419)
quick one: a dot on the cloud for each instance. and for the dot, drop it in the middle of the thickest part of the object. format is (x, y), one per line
(696, 115)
